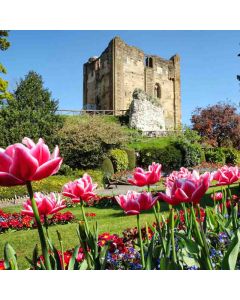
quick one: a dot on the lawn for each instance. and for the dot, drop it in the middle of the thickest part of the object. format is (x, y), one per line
(110, 220)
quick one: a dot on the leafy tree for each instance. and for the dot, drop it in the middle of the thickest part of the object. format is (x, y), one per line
(4, 45)
(31, 112)
(218, 125)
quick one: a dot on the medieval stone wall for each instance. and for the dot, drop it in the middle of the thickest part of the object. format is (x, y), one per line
(109, 80)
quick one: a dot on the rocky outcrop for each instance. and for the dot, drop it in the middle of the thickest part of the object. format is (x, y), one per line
(145, 113)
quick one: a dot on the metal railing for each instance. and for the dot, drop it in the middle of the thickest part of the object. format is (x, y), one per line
(108, 112)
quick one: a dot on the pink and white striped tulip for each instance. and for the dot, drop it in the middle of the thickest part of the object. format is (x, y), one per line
(217, 196)
(187, 189)
(142, 178)
(47, 205)
(226, 175)
(81, 189)
(133, 203)
(20, 164)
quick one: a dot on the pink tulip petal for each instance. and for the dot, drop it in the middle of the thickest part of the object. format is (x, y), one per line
(5, 162)
(24, 164)
(41, 153)
(7, 179)
(47, 169)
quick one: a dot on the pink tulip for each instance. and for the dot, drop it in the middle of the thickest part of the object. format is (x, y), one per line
(47, 205)
(187, 190)
(217, 196)
(19, 163)
(81, 189)
(142, 178)
(182, 173)
(226, 175)
(132, 203)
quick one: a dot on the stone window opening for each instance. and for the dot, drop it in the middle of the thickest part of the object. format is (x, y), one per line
(149, 62)
(157, 91)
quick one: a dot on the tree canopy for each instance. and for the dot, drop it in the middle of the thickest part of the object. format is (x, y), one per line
(31, 112)
(218, 125)
(4, 45)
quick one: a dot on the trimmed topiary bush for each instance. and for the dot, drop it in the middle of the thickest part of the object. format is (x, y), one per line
(119, 159)
(215, 155)
(170, 157)
(131, 158)
(107, 167)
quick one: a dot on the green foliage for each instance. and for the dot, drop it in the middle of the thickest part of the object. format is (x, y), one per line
(65, 170)
(31, 113)
(232, 156)
(215, 155)
(85, 141)
(188, 143)
(131, 158)
(4, 45)
(107, 167)
(170, 157)
(140, 142)
(119, 159)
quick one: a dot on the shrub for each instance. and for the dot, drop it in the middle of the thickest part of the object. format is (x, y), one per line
(84, 141)
(170, 157)
(192, 153)
(119, 159)
(232, 156)
(65, 170)
(215, 155)
(131, 158)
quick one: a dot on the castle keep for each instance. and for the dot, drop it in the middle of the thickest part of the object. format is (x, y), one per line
(111, 78)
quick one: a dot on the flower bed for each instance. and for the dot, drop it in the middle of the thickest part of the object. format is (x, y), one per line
(21, 221)
(192, 238)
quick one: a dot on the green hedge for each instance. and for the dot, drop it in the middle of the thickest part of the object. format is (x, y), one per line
(192, 153)
(119, 159)
(222, 155)
(170, 157)
(215, 155)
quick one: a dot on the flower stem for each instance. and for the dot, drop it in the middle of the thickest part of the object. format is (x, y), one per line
(201, 238)
(159, 229)
(234, 222)
(172, 236)
(39, 226)
(84, 216)
(141, 242)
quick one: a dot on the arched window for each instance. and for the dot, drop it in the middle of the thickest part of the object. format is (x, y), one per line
(146, 61)
(157, 91)
(150, 64)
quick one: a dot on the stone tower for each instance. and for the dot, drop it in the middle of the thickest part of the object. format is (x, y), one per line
(111, 78)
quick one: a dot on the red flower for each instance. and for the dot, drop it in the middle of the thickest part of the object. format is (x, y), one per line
(217, 196)
(2, 266)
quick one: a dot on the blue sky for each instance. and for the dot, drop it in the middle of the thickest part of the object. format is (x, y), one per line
(209, 62)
